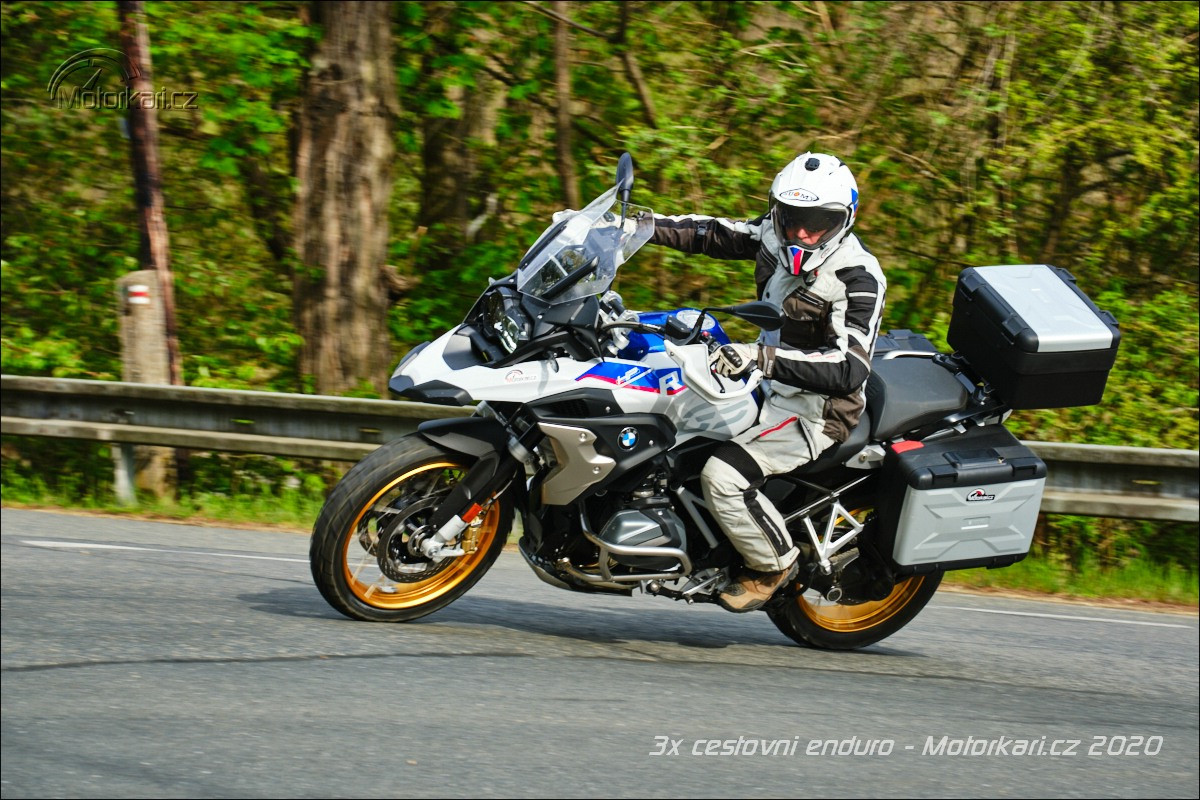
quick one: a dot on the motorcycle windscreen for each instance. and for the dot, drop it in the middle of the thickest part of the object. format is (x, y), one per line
(582, 258)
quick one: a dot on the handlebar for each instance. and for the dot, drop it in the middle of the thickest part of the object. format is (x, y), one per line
(662, 331)
(693, 358)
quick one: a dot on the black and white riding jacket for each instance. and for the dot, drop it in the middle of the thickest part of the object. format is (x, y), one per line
(818, 363)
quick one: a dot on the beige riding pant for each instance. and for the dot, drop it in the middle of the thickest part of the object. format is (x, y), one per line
(733, 476)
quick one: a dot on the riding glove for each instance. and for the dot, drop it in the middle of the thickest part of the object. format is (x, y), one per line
(734, 360)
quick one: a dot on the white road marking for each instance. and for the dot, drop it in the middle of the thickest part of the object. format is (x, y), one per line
(94, 546)
(1064, 616)
(97, 546)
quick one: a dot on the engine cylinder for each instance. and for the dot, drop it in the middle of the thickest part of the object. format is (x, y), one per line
(656, 526)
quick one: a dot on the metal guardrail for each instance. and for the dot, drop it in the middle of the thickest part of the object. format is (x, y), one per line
(1087, 480)
(268, 423)
(1093, 480)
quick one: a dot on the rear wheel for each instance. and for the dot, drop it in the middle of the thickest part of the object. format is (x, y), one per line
(363, 556)
(811, 619)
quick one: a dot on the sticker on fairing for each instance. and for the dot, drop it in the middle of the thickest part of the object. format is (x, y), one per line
(519, 376)
(635, 376)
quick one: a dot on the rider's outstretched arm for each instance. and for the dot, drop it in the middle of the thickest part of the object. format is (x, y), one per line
(716, 237)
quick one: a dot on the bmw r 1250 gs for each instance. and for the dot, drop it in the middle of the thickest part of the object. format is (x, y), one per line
(593, 423)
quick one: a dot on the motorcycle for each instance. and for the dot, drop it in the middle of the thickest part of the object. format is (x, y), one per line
(593, 422)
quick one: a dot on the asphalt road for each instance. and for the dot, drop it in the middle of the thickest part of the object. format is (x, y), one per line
(145, 659)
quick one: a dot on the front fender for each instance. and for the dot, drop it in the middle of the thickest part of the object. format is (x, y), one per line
(472, 436)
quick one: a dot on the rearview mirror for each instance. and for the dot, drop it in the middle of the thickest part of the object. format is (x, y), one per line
(760, 313)
(624, 176)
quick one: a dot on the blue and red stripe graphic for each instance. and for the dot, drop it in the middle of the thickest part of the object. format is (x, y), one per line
(638, 377)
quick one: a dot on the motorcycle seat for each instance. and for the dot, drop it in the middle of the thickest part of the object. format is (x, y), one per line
(902, 394)
(908, 392)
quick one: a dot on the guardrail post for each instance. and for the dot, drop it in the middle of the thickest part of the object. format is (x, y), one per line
(124, 474)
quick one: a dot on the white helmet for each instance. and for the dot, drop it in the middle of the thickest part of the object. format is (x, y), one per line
(814, 201)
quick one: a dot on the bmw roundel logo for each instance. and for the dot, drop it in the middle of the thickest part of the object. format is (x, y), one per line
(628, 438)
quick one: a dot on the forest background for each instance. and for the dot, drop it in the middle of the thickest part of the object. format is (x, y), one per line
(980, 133)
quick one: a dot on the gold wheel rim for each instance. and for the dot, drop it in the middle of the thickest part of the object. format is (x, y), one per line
(841, 618)
(853, 618)
(361, 569)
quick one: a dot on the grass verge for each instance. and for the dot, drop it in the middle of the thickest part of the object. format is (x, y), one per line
(1137, 581)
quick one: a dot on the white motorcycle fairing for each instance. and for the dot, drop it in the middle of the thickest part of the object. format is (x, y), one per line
(674, 383)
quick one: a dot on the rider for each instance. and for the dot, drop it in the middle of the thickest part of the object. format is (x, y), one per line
(831, 291)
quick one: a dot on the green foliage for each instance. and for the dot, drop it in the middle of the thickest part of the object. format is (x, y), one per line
(69, 229)
(233, 488)
(980, 134)
(1159, 338)
(24, 478)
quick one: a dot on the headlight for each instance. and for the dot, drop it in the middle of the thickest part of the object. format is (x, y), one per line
(512, 333)
(504, 316)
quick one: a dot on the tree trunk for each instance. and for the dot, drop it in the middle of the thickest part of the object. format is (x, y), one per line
(143, 138)
(562, 92)
(154, 356)
(343, 167)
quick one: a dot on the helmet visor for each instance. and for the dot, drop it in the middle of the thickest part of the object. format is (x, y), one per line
(809, 227)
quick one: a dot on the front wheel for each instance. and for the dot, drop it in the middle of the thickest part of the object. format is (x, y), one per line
(360, 555)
